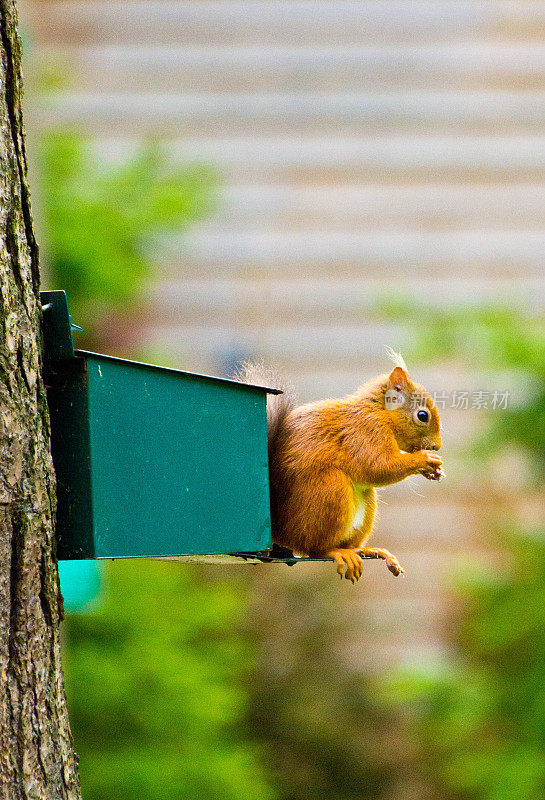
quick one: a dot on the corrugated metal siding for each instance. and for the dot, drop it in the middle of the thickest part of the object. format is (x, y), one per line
(362, 147)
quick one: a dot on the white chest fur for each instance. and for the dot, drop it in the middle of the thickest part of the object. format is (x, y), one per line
(360, 491)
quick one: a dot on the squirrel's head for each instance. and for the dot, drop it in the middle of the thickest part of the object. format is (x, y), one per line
(412, 414)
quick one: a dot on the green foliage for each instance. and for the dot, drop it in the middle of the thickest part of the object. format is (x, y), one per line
(156, 685)
(97, 217)
(480, 716)
(325, 734)
(486, 336)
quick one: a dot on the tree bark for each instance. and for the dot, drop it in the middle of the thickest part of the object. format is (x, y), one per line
(37, 759)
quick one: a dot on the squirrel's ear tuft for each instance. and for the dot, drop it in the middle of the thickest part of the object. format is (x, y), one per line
(398, 379)
(397, 358)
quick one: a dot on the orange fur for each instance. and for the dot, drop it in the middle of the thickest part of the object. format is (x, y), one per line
(327, 457)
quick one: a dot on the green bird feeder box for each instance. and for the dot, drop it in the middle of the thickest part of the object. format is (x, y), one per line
(153, 462)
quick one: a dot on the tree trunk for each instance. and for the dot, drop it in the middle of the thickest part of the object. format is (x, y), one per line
(36, 753)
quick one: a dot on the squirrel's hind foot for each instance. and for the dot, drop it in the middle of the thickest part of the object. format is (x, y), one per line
(377, 552)
(349, 563)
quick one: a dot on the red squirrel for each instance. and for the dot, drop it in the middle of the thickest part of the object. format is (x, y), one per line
(326, 459)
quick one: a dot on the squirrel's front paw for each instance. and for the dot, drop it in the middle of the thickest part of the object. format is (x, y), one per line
(432, 468)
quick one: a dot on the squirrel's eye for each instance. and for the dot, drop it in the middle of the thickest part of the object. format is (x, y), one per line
(422, 415)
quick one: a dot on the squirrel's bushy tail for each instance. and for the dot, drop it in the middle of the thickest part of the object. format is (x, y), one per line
(278, 405)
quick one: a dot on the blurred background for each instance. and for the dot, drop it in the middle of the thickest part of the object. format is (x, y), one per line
(308, 181)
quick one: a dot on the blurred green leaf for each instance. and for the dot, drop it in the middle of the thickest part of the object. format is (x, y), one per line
(98, 218)
(156, 682)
